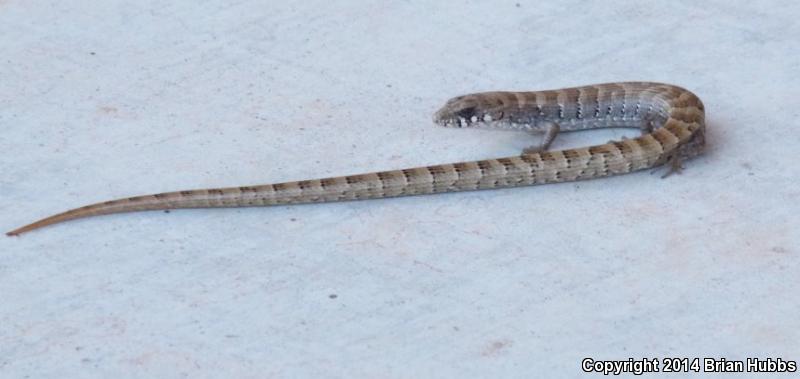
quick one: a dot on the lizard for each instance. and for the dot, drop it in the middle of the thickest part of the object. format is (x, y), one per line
(671, 119)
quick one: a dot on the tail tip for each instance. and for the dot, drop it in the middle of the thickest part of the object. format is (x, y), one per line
(16, 232)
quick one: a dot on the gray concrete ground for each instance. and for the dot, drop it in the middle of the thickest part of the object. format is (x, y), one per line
(100, 100)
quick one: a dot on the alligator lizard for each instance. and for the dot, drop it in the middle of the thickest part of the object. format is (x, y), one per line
(671, 118)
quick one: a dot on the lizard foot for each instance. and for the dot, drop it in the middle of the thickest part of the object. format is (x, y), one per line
(674, 166)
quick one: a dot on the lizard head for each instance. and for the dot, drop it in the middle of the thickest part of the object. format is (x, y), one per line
(466, 111)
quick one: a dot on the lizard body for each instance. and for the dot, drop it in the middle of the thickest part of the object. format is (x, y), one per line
(672, 120)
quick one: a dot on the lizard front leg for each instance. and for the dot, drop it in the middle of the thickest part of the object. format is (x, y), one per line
(551, 130)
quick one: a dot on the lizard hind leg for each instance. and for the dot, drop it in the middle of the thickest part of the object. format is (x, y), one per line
(674, 165)
(551, 130)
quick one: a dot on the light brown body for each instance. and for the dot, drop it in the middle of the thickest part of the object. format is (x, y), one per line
(671, 117)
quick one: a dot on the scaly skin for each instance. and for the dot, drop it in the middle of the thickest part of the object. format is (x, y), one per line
(672, 120)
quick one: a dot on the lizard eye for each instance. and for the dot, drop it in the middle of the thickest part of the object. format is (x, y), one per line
(466, 112)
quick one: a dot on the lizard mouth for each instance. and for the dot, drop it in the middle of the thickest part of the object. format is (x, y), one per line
(454, 116)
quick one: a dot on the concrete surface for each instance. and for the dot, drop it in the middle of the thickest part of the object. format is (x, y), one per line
(100, 100)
